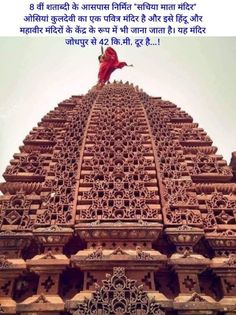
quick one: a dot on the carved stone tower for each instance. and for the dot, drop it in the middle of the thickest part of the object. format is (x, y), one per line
(117, 204)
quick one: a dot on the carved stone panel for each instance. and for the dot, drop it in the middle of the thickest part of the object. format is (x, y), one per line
(117, 296)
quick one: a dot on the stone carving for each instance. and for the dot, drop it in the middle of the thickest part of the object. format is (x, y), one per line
(195, 297)
(15, 212)
(119, 295)
(203, 163)
(97, 255)
(232, 260)
(141, 255)
(177, 193)
(41, 299)
(188, 134)
(47, 134)
(185, 227)
(52, 228)
(220, 211)
(48, 284)
(49, 255)
(4, 263)
(58, 204)
(118, 167)
(184, 216)
(189, 283)
(31, 163)
(15, 188)
(121, 170)
(218, 200)
(180, 200)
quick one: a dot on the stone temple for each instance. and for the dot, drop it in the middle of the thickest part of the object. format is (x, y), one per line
(118, 204)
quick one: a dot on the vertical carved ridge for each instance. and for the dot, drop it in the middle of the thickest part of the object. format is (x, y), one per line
(80, 162)
(157, 164)
(118, 178)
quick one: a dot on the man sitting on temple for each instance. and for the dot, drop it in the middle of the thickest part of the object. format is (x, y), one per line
(108, 63)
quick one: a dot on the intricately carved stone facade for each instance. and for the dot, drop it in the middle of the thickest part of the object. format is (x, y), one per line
(118, 204)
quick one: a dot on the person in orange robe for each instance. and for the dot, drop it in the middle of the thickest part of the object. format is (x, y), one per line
(108, 63)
